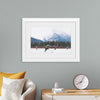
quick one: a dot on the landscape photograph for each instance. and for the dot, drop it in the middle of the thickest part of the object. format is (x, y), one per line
(50, 40)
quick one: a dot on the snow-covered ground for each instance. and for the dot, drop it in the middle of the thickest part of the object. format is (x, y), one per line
(49, 51)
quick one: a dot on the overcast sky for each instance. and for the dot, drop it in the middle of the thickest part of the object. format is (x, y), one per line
(41, 32)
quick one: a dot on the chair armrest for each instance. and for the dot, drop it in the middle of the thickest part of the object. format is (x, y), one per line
(29, 91)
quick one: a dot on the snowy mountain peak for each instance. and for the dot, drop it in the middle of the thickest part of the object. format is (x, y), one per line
(59, 37)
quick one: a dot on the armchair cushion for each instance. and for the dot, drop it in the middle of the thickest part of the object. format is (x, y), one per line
(12, 89)
(11, 76)
(29, 92)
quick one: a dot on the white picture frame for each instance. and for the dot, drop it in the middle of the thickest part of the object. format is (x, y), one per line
(38, 27)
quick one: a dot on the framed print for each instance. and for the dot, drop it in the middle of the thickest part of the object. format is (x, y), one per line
(50, 39)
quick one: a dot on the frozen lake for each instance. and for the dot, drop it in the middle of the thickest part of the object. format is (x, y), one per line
(50, 51)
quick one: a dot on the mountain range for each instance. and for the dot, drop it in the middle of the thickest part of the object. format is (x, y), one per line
(55, 37)
(59, 37)
(35, 40)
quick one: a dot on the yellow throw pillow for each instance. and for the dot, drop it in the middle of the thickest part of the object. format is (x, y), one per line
(10, 75)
